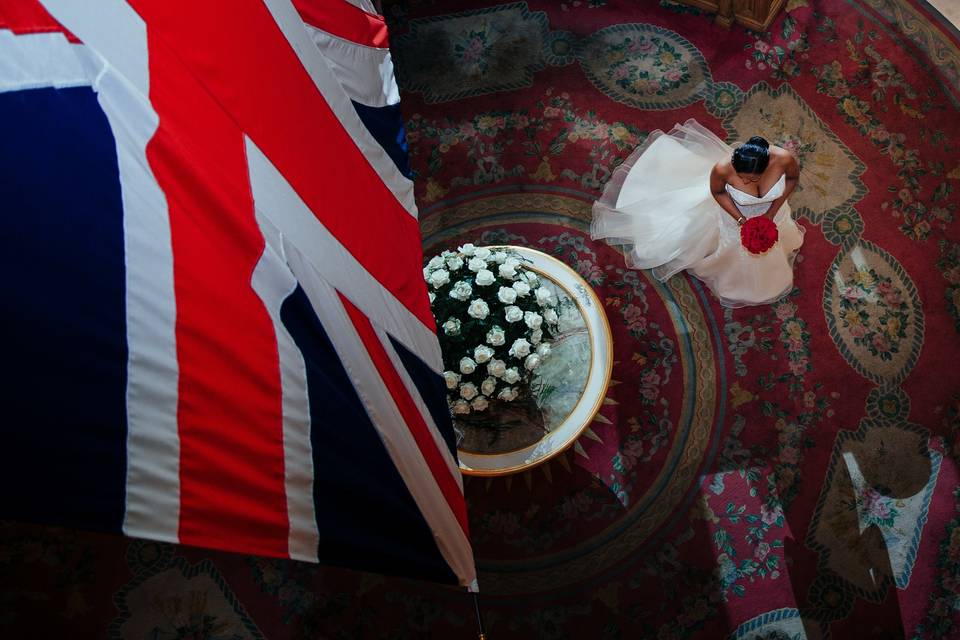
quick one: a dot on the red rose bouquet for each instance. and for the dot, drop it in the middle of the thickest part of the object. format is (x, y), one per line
(758, 234)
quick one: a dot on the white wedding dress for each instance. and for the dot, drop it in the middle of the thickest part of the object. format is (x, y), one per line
(658, 206)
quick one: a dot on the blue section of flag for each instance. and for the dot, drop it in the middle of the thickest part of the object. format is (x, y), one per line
(385, 124)
(433, 390)
(366, 517)
(63, 320)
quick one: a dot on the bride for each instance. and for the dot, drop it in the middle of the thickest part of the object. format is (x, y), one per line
(678, 202)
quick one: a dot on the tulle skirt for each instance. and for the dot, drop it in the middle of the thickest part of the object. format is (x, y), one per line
(658, 207)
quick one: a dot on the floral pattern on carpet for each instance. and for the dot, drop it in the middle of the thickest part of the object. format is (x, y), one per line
(874, 313)
(170, 599)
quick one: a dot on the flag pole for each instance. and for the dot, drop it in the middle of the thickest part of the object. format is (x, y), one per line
(476, 607)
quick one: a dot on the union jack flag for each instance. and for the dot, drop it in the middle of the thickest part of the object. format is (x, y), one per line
(218, 330)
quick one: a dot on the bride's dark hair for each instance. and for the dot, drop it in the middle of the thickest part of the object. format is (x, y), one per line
(752, 156)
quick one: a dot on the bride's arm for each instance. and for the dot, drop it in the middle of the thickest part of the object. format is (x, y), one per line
(791, 171)
(717, 183)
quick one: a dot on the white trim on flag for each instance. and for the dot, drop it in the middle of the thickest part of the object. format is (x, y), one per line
(316, 64)
(273, 282)
(277, 202)
(365, 73)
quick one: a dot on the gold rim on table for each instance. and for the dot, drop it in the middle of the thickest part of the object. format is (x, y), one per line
(595, 388)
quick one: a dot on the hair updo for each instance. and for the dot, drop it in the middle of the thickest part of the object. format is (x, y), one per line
(752, 156)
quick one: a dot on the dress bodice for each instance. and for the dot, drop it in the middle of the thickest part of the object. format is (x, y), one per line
(751, 206)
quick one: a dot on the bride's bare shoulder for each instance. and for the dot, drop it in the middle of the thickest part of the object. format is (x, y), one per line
(724, 168)
(781, 155)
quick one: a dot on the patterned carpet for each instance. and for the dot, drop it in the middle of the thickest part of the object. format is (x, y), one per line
(786, 471)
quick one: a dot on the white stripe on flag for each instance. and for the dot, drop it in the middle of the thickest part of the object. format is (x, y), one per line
(365, 73)
(153, 444)
(451, 540)
(153, 440)
(114, 30)
(36, 60)
(277, 202)
(273, 282)
(295, 31)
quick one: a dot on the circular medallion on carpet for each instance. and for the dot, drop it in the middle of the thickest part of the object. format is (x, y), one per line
(645, 66)
(873, 313)
(625, 481)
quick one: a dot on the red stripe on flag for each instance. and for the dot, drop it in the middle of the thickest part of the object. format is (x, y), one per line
(29, 16)
(345, 20)
(232, 492)
(411, 414)
(243, 59)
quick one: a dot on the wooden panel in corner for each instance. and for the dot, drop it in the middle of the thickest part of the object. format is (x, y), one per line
(753, 14)
(756, 14)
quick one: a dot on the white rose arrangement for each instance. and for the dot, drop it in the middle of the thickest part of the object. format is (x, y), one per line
(495, 320)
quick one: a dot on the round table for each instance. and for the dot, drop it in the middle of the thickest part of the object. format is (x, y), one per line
(565, 393)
